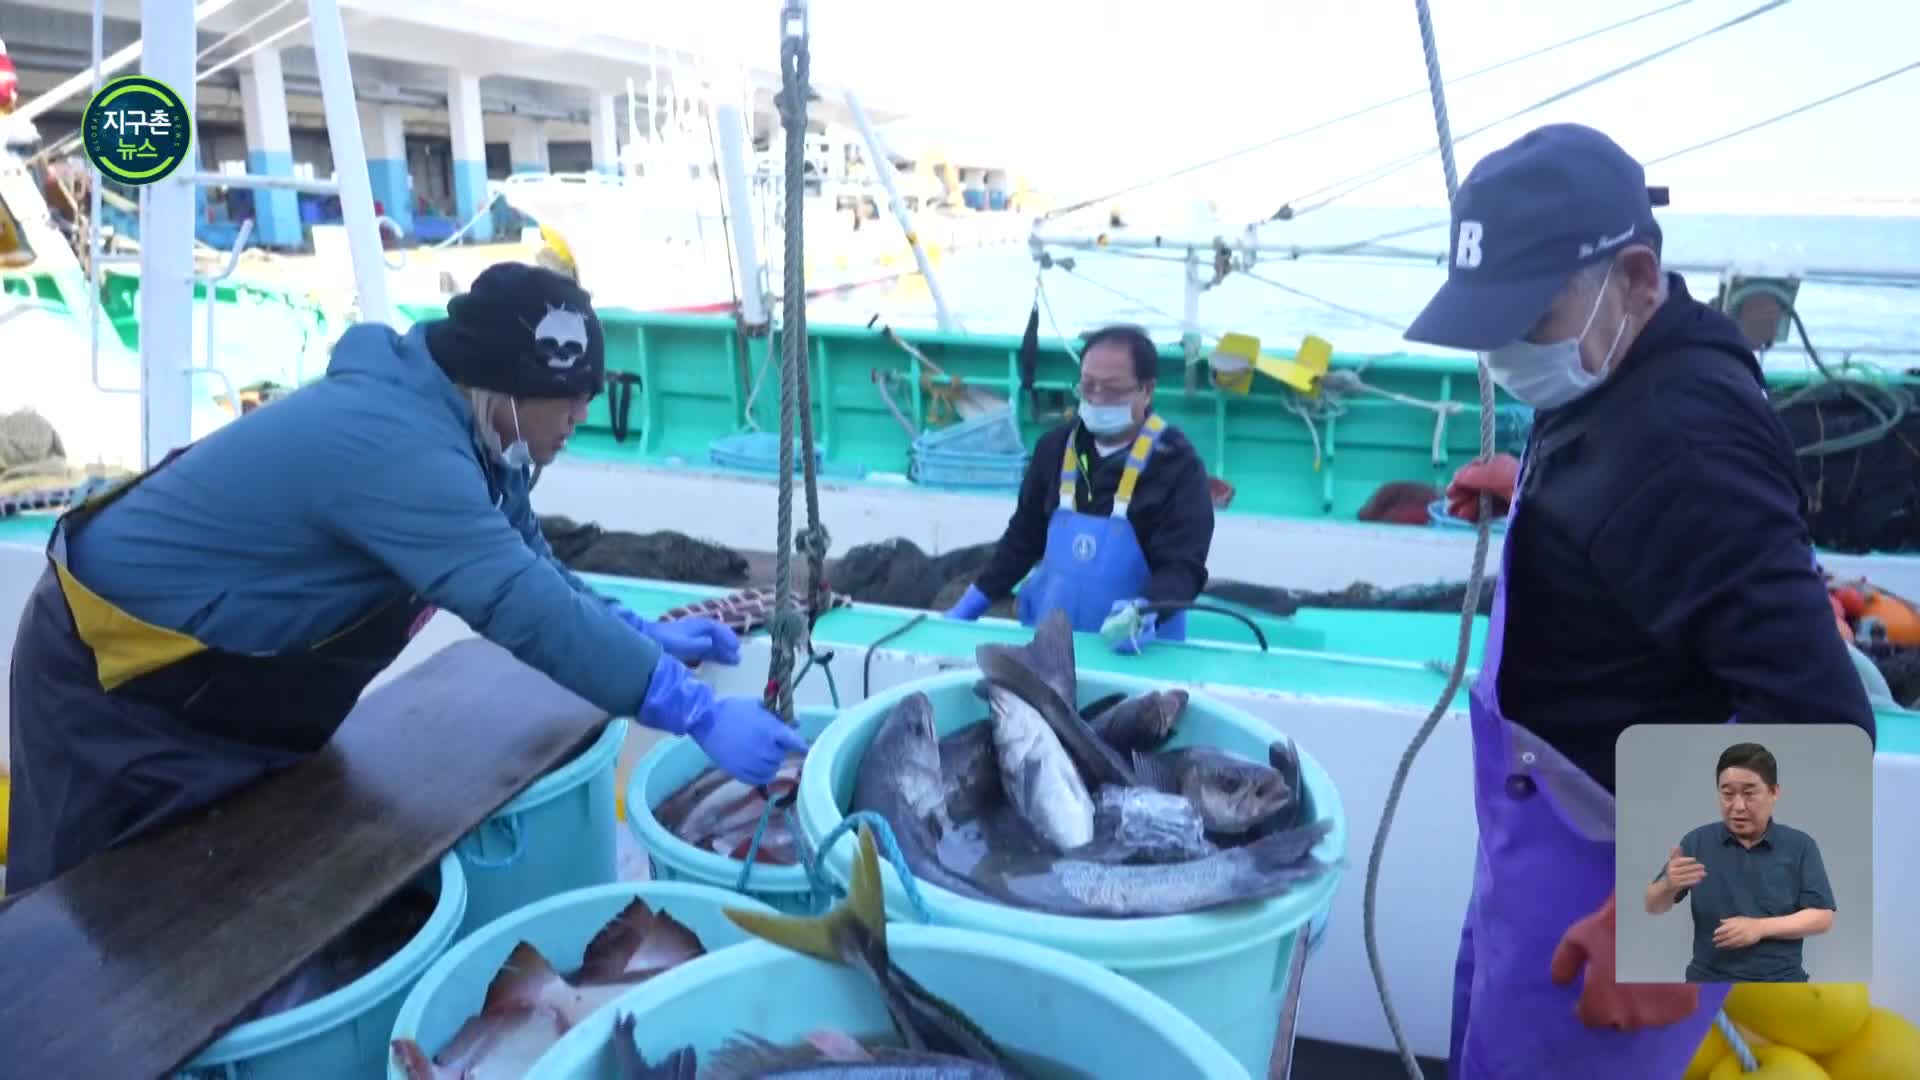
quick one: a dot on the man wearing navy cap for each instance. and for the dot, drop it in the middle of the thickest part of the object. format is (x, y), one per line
(1661, 573)
(215, 618)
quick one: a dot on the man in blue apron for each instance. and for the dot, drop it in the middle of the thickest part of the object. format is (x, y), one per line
(1114, 507)
(1656, 570)
(215, 618)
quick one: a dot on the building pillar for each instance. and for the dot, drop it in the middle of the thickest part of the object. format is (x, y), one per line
(385, 131)
(606, 138)
(469, 154)
(528, 145)
(263, 102)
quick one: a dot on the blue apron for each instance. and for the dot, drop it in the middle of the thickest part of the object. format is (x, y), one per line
(1091, 562)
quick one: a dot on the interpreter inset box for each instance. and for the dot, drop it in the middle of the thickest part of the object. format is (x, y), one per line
(1743, 853)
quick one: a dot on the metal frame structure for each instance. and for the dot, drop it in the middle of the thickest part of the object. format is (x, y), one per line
(167, 278)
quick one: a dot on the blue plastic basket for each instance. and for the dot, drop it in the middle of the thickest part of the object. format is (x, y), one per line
(996, 433)
(985, 452)
(982, 471)
(755, 451)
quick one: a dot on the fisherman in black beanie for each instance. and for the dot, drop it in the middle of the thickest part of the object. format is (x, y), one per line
(199, 641)
(523, 343)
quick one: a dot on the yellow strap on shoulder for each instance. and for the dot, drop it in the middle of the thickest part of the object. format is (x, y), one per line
(1137, 461)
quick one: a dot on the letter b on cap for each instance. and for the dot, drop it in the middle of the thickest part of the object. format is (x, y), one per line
(1466, 250)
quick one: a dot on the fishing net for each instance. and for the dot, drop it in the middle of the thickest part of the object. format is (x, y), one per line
(661, 556)
(1900, 666)
(1860, 464)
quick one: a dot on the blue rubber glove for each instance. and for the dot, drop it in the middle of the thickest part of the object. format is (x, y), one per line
(745, 740)
(1130, 644)
(690, 640)
(971, 606)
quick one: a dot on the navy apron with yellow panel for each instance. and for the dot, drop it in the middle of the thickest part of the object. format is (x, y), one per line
(120, 726)
(1093, 562)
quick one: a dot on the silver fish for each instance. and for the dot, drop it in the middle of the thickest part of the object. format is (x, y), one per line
(1231, 793)
(1042, 679)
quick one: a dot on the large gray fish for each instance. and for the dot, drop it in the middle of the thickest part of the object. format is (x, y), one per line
(854, 933)
(1045, 751)
(1231, 793)
(1067, 885)
(900, 779)
(970, 771)
(529, 1005)
(1143, 722)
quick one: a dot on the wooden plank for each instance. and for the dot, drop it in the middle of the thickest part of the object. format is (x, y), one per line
(133, 962)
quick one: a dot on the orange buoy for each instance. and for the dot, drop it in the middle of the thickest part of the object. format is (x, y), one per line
(1901, 621)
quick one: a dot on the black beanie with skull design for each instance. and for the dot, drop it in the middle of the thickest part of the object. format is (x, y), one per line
(524, 331)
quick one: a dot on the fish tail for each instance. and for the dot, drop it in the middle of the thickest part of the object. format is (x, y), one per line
(412, 1060)
(635, 929)
(1050, 654)
(858, 922)
(680, 1064)
(519, 981)
(1289, 849)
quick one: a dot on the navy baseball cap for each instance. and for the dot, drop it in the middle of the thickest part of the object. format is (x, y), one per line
(1529, 216)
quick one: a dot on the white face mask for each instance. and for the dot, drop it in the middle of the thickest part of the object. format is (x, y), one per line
(515, 455)
(1106, 419)
(1549, 376)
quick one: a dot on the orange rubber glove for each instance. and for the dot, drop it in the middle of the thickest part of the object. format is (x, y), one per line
(1496, 477)
(1607, 1004)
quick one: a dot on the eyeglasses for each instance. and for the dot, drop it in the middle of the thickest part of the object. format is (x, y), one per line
(1106, 392)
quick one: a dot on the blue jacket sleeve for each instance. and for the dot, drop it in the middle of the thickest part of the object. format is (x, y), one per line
(1711, 556)
(426, 514)
(519, 510)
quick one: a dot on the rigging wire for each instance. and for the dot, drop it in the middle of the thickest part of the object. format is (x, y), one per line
(1357, 113)
(1662, 159)
(1343, 188)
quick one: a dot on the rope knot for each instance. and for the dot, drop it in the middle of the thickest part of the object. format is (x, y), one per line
(813, 541)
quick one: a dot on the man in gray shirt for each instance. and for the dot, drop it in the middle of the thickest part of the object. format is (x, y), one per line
(1759, 887)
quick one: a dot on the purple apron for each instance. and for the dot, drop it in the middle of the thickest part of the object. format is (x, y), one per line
(1545, 861)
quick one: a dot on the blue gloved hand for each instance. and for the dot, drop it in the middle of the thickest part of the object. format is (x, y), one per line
(971, 606)
(745, 740)
(690, 640)
(1128, 644)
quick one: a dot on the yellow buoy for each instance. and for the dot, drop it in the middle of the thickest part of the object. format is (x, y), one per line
(6, 797)
(1776, 1063)
(1813, 1018)
(1885, 1047)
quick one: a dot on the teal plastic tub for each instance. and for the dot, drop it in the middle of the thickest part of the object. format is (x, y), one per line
(344, 1033)
(667, 768)
(1227, 969)
(1039, 1004)
(455, 987)
(555, 836)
